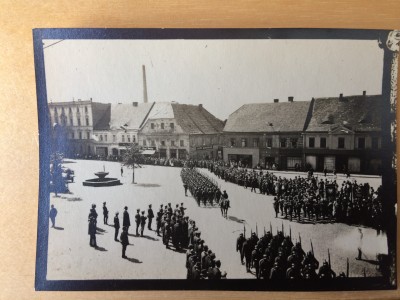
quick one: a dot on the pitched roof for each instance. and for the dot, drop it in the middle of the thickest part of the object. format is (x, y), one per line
(128, 115)
(161, 110)
(194, 119)
(101, 115)
(269, 117)
(359, 113)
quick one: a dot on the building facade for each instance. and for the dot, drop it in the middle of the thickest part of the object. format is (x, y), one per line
(76, 121)
(181, 131)
(344, 133)
(269, 135)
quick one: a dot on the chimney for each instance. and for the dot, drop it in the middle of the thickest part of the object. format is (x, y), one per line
(276, 100)
(200, 106)
(145, 100)
(341, 97)
(290, 99)
(135, 104)
(91, 99)
(364, 93)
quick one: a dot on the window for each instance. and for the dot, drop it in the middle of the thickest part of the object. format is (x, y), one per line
(361, 143)
(88, 135)
(173, 143)
(79, 121)
(322, 143)
(171, 125)
(71, 121)
(72, 135)
(77, 109)
(233, 142)
(133, 138)
(341, 143)
(153, 143)
(293, 142)
(311, 142)
(243, 142)
(162, 125)
(256, 141)
(269, 143)
(80, 135)
(86, 109)
(105, 137)
(70, 110)
(87, 121)
(182, 143)
(144, 143)
(114, 138)
(101, 137)
(375, 143)
(129, 138)
(152, 125)
(123, 138)
(162, 143)
(283, 143)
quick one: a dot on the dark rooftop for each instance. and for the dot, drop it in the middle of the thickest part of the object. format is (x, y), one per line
(269, 117)
(358, 113)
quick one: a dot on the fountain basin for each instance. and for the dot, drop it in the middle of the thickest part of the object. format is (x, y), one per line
(101, 175)
(98, 182)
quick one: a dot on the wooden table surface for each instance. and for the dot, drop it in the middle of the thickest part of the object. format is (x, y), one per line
(18, 114)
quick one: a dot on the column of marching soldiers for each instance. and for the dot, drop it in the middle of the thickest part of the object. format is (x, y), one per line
(175, 228)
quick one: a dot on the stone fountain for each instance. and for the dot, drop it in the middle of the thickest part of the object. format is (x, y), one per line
(101, 180)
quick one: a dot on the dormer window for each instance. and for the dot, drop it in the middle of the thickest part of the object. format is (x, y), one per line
(328, 119)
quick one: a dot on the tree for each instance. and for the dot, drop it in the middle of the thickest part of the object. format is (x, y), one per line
(57, 179)
(132, 156)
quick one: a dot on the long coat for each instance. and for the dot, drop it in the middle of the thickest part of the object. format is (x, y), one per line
(126, 221)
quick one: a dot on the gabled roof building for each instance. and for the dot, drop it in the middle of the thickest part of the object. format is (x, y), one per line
(344, 134)
(267, 134)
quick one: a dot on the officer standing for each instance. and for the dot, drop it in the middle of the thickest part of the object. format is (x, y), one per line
(92, 232)
(52, 215)
(185, 186)
(105, 213)
(124, 240)
(150, 216)
(142, 223)
(126, 221)
(239, 246)
(137, 221)
(116, 226)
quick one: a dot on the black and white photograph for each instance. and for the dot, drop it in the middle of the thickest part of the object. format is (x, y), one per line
(216, 159)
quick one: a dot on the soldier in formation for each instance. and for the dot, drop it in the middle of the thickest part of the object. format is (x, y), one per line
(275, 257)
(202, 188)
(309, 198)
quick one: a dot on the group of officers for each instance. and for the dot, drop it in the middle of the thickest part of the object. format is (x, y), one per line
(140, 220)
(275, 257)
(176, 230)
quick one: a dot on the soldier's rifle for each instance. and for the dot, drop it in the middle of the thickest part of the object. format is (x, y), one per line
(329, 258)
(312, 248)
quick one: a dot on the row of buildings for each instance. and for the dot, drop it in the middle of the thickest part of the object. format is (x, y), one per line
(342, 133)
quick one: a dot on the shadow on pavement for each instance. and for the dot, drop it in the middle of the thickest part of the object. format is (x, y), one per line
(58, 228)
(100, 229)
(134, 260)
(98, 248)
(232, 218)
(148, 185)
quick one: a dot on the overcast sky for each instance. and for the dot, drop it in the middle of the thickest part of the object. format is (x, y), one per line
(220, 74)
